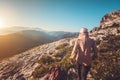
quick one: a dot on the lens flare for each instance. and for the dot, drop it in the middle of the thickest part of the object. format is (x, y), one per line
(2, 24)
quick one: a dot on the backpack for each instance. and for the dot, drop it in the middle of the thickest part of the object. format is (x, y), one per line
(58, 74)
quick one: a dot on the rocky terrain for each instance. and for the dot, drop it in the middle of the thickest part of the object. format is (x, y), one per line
(21, 66)
(109, 25)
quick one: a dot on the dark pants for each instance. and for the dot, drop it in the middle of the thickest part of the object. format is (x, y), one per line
(83, 71)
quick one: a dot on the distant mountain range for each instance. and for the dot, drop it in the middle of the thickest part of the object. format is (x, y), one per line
(20, 39)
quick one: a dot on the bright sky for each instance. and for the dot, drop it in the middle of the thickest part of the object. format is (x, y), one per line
(55, 15)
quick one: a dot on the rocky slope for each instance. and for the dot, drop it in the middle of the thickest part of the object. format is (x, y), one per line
(110, 20)
(21, 66)
(109, 25)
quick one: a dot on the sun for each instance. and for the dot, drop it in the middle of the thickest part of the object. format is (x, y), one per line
(2, 24)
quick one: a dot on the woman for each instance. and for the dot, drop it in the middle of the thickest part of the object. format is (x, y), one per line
(82, 51)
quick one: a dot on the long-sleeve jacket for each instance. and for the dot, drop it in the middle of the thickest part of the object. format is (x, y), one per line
(83, 49)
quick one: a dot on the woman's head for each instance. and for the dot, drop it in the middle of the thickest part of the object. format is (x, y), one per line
(83, 32)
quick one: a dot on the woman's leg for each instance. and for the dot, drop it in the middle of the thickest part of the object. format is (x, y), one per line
(84, 72)
(79, 71)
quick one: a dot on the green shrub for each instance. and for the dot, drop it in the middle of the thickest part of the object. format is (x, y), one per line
(65, 61)
(61, 46)
(40, 71)
(46, 60)
(58, 54)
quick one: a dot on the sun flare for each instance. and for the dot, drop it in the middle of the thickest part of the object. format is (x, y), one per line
(2, 24)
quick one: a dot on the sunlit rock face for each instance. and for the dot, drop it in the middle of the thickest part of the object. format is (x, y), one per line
(110, 20)
(109, 25)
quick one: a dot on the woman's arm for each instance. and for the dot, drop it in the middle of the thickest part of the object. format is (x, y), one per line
(74, 51)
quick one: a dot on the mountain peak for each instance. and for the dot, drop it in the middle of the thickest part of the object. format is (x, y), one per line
(109, 25)
(110, 20)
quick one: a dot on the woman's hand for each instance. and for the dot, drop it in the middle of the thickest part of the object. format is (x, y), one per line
(71, 61)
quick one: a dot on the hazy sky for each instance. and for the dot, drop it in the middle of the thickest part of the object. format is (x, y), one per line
(65, 15)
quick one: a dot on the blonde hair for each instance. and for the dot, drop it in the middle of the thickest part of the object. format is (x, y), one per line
(83, 30)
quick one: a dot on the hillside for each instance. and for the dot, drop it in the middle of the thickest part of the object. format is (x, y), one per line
(21, 41)
(26, 62)
(34, 63)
